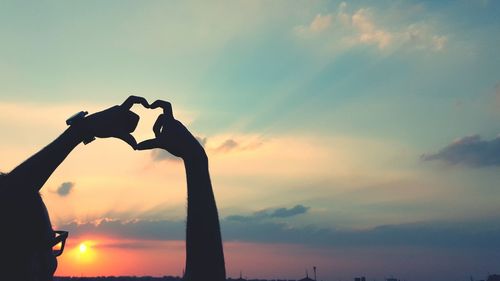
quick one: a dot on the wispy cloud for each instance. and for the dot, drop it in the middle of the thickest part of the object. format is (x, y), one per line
(226, 146)
(369, 32)
(240, 144)
(163, 155)
(362, 27)
(133, 229)
(271, 213)
(420, 36)
(319, 23)
(471, 151)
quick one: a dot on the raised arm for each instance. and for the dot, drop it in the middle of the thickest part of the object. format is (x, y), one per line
(35, 171)
(117, 121)
(204, 253)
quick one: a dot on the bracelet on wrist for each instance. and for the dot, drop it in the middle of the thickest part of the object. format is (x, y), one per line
(78, 121)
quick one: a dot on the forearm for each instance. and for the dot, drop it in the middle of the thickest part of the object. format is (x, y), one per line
(204, 253)
(35, 171)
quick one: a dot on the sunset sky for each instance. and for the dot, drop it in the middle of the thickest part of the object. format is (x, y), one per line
(359, 137)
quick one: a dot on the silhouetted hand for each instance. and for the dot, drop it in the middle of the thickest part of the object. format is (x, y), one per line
(117, 121)
(172, 135)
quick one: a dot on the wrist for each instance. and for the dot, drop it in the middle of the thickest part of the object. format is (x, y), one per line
(197, 157)
(74, 135)
(79, 124)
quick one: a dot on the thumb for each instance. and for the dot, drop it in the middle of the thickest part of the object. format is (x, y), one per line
(128, 138)
(148, 144)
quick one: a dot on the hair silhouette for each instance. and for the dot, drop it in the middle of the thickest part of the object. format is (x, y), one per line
(25, 234)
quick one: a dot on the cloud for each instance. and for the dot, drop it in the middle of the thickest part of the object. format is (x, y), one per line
(65, 188)
(369, 33)
(271, 213)
(218, 144)
(420, 36)
(133, 229)
(242, 144)
(227, 146)
(471, 151)
(163, 155)
(439, 42)
(160, 154)
(318, 24)
(457, 235)
(432, 234)
(284, 212)
(363, 27)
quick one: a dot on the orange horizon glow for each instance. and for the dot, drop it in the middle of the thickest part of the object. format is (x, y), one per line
(89, 256)
(107, 256)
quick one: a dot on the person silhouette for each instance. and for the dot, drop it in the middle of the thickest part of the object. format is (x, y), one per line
(27, 235)
(204, 251)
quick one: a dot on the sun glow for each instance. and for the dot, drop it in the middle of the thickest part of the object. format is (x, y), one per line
(83, 248)
(84, 252)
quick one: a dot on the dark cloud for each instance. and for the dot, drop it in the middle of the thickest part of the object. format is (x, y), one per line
(65, 188)
(271, 213)
(482, 235)
(470, 151)
(135, 229)
(161, 154)
(284, 212)
(435, 235)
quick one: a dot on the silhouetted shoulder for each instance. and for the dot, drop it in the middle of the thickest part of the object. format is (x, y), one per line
(3, 178)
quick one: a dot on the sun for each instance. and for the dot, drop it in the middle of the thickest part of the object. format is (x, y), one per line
(83, 248)
(84, 252)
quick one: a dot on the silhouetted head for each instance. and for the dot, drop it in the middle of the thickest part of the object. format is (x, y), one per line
(26, 234)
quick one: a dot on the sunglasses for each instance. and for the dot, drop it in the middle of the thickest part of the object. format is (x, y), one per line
(58, 242)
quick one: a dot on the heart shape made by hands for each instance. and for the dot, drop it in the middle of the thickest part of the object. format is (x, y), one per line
(148, 114)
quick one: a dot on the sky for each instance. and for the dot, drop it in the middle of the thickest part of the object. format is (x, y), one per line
(360, 137)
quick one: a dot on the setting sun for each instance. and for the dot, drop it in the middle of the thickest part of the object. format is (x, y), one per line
(83, 248)
(84, 252)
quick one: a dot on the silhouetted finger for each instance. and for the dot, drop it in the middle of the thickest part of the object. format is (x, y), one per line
(128, 138)
(159, 123)
(130, 121)
(165, 105)
(130, 101)
(147, 144)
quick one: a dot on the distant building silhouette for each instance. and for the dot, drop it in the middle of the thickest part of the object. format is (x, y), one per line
(494, 277)
(241, 277)
(362, 278)
(307, 277)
